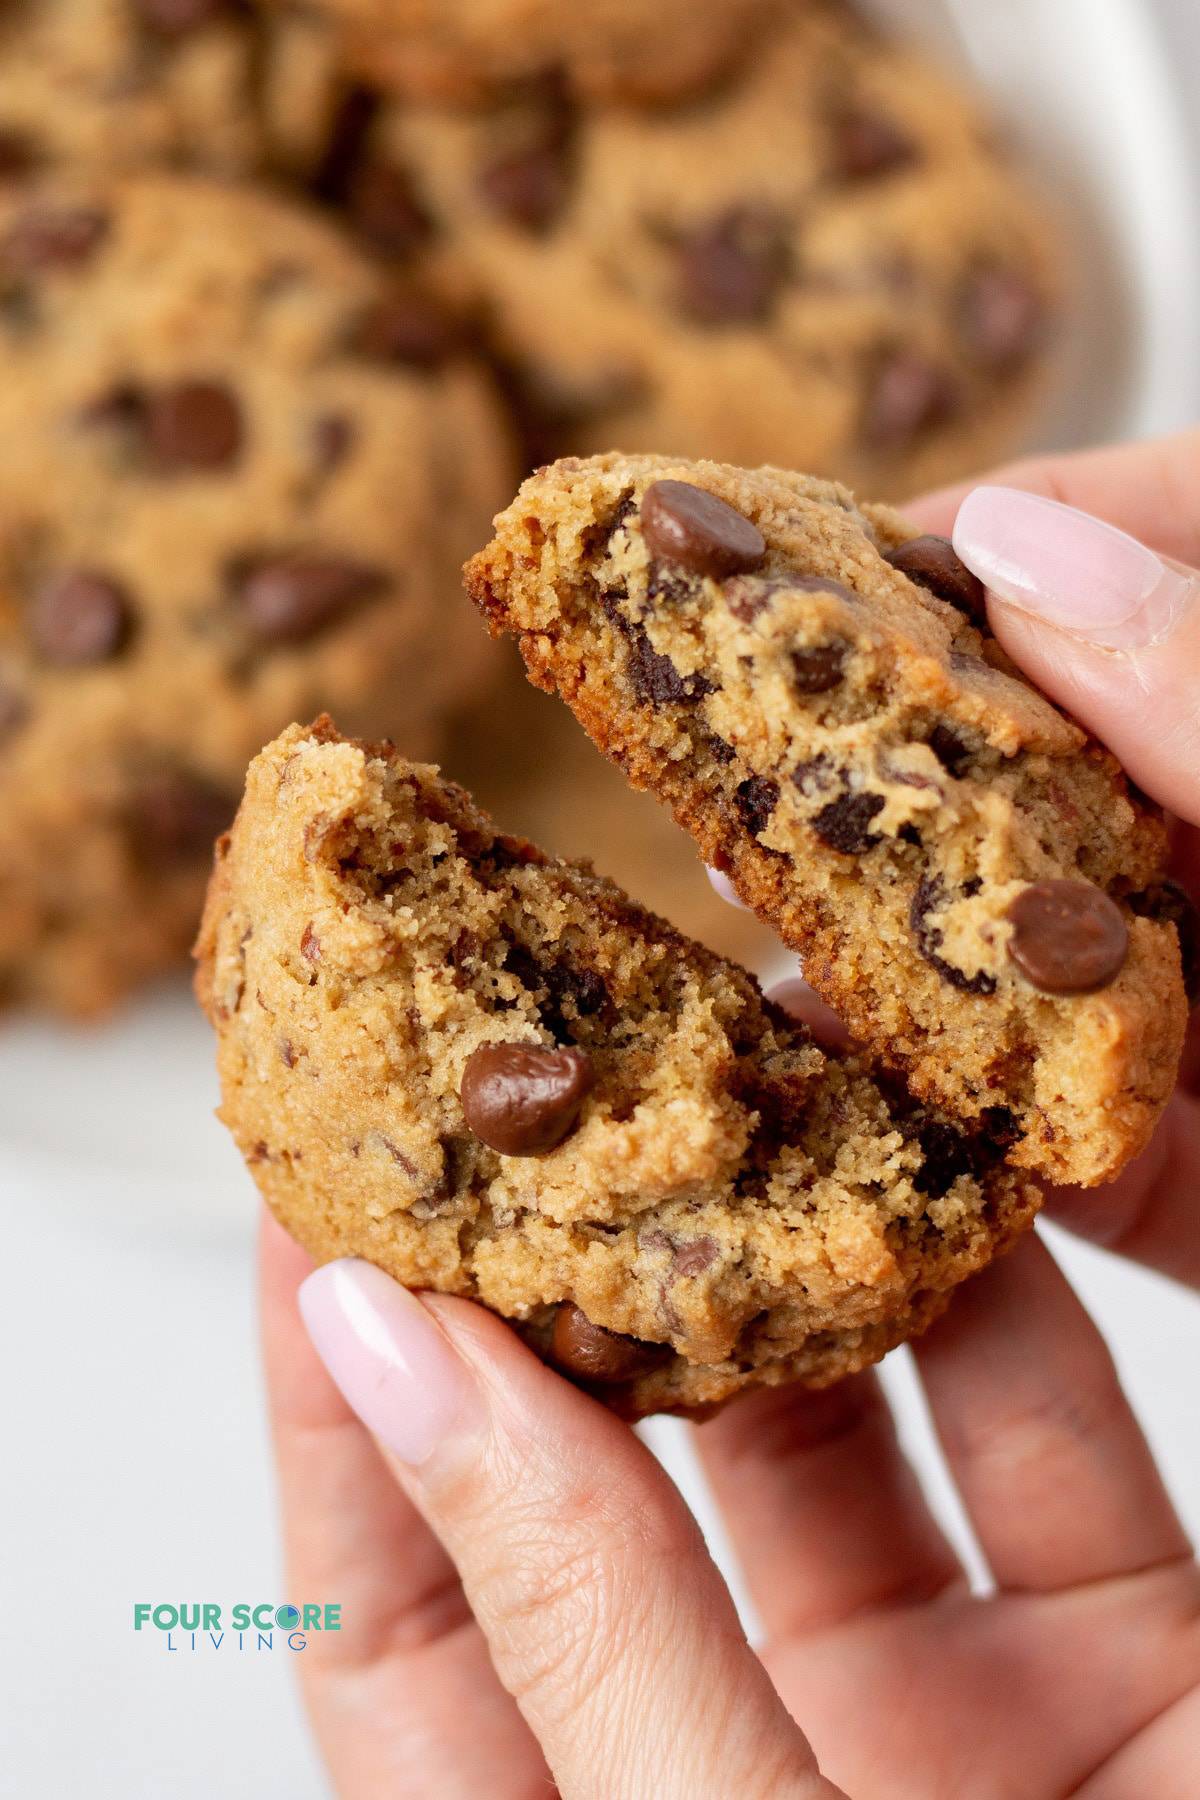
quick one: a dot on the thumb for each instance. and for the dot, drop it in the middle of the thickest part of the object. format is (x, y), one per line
(1102, 624)
(605, 1617)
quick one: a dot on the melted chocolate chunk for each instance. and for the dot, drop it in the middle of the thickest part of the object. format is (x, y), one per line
(731, 268)
(932, 563)
(192, 426)
(19, 154)
(950, 1154)
(865, 144)
(571, 993)
(523, 1099)
(685, 524)
(1068, 937)
(1001, 318)
(384, 208)
(949, 748)
(527, 186)
(845, 823)
(177, 18)
(819, 668)
(175, 815)
(1170, 904)
(409, 328)
(591, 1353)
(931, 897)
(756, 800)
(289, 599)
(655, 678)
(79, 618)
(907, 395)
(54, 237)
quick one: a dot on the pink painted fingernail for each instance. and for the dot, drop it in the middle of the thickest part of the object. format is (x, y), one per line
(391, 1360)
(1069, 569)
(722, 885)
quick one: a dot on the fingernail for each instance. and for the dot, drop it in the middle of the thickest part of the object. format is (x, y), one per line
(390, 1359)
(722, 885)
(1069, 569)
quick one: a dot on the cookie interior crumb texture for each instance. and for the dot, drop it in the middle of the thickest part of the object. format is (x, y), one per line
(814, 692)
(492, 1074)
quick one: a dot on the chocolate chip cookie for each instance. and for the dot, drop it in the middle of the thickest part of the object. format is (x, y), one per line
(828, 264)
(238, 472)
(122, 83)
(493, 1074)
(812, 688)
(614, 50)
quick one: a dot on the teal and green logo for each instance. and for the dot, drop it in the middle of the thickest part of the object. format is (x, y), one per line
(202, 1624)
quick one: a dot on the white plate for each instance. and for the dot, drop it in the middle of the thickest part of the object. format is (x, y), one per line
(120, 1120)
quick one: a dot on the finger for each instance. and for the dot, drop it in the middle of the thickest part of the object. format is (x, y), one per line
(1051, 1464)
(605, 1616)
(1101, 623)
(1151, 490)
(389, 1690)
(824, 1512)
(1151, 1212)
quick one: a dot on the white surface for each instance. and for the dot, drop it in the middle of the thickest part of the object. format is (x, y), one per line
(134, 1459)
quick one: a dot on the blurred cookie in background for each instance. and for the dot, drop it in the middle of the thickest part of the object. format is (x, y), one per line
(826, 263)
(525, 756)
(239, 472)
(613, 50)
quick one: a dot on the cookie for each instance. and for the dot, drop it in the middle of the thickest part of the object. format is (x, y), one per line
(122, 83)
(238, 472)
(811, 687)
(493, 1074)
(828, 264)
(612, 50)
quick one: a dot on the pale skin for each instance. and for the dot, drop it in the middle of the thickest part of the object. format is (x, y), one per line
(533, 1607)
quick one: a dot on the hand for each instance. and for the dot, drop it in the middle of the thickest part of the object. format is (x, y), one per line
(1113, 634)
(528, 1605)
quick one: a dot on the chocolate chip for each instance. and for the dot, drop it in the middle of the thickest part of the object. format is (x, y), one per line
(1068, 937)
(655, 678)
(932, 563)
(907, 395)
(720, 751)
(865, 144)
(523, 1099)
(54, 237)
(1170, 904)
(844, 824)
(14, 710)
(570, 993)
(731, 268)
(593, 1354)
(80, 617)
(332, 436)
(950, 749)
(527, 186)
(814, 777)
(756, 800)
(175, 815)
(690, 1256)
(19, 154)
(687, 525)
(192, 425)
(931, 897)
(819, 667)
(176, 18)
(409, 328)
(950, 1154)
(1001, 318)
(384, 208)
(288, 599)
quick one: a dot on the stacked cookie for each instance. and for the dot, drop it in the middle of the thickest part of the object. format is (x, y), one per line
(240, 467)
(282, 284)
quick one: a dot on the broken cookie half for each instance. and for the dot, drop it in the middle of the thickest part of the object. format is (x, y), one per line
(812, 688)
(492, 1074)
